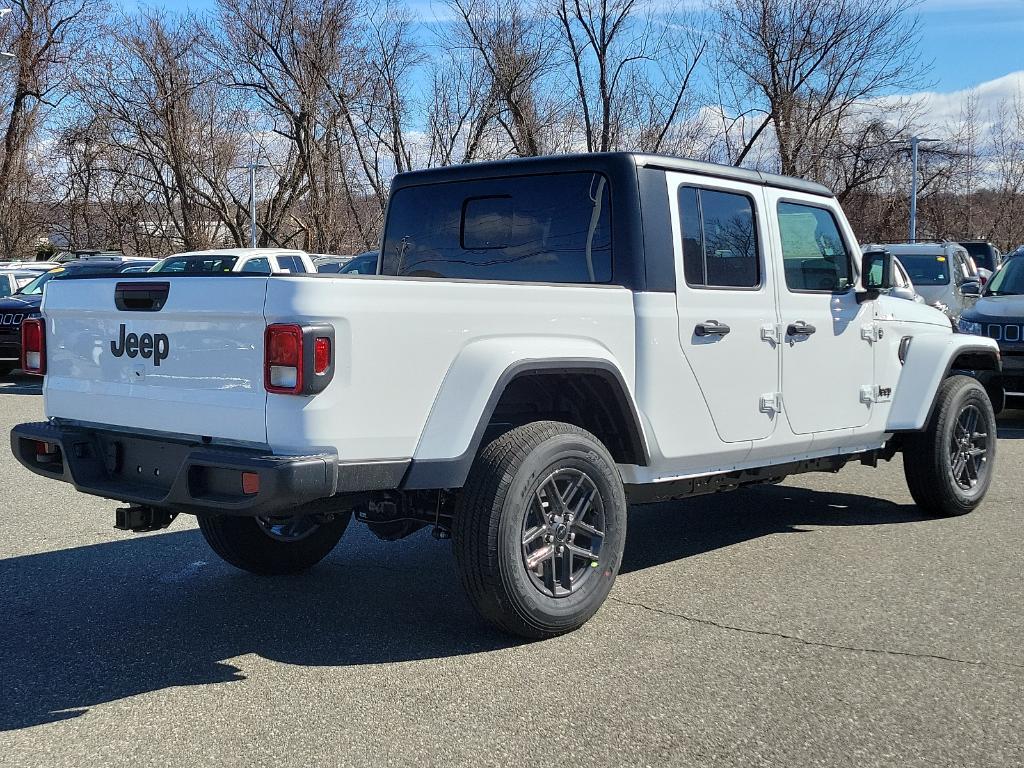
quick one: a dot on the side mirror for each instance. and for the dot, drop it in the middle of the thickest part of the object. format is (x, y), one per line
(875, 273)
(970, 289)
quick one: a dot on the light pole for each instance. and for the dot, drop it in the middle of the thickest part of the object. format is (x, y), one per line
(914, 142)
(252, 168)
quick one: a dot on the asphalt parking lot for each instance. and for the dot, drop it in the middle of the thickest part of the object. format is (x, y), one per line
(819, 622)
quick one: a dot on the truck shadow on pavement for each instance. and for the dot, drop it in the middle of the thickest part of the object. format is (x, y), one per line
(95, 624)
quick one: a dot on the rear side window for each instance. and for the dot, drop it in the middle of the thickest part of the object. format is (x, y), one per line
(290, 263)
(813, 251)
(552, 228)
(719, 239)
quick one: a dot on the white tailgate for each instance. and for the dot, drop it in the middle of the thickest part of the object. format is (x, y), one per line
(210, 383)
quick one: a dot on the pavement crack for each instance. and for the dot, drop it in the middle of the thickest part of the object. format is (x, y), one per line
(814, 643)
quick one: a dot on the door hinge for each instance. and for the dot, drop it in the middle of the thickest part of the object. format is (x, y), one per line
(771, 403)
(771, 332)
(871, 332)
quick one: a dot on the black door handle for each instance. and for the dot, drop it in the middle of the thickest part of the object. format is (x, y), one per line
(711, 328)
(800, 328)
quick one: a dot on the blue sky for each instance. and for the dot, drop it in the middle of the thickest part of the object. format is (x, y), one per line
(968, 42)
(972, 41)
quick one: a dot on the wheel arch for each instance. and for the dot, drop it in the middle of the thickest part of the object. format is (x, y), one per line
(597, 384)
(930, 359)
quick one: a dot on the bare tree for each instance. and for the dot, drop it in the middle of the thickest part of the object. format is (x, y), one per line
(798, 64)
(46, 39)
(632, 69)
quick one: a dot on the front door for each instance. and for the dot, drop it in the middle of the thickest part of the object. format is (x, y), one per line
(726, 303)
(827, 358)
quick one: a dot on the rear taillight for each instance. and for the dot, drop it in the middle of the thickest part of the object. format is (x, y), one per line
(33, 346)
(282, 371)
(298, 359)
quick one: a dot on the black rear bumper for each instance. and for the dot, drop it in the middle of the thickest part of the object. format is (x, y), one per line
(186, 477)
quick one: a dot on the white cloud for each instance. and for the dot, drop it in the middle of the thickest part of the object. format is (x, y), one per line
(939, 111)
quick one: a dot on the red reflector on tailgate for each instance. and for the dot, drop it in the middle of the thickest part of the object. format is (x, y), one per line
(321, 355)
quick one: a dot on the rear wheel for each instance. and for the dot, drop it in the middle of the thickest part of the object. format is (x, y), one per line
(540, 529)
(273, 546)
(949, 466)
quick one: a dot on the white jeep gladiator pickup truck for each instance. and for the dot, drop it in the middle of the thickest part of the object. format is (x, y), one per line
(546, 341)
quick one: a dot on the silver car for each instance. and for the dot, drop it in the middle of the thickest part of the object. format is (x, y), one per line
(942, 273)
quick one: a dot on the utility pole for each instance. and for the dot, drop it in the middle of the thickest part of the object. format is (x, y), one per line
(914, 142)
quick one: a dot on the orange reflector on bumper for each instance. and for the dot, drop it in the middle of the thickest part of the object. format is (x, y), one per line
(250, 483)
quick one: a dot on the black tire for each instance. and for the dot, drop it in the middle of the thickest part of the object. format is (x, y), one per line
(503, 503)
(931, 457)
(7, 368)
(246, 543)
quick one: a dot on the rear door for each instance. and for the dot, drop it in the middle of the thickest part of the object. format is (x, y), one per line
(827, 357)
(726, 302)
(187, 362)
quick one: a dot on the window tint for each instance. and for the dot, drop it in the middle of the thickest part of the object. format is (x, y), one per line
(813, 251)
(5, 286)
(719, 239)
(547, 228)
(260, 265)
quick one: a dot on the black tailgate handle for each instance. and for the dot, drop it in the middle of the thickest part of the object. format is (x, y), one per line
(145, 296)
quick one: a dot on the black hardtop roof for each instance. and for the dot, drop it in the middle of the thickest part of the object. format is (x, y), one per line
(601, 161)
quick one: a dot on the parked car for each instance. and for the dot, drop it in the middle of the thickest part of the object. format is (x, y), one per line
(329, 263)
(63, 257)
(260, 261)
(999, 315)
(984, 253)
(27, 266)
(138, 265)
(361, 264)
(902, 285)
(25, 303)
(942, 273)
(583, 332)
(11, 281)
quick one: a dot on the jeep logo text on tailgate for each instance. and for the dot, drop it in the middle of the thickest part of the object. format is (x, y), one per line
(157, 346)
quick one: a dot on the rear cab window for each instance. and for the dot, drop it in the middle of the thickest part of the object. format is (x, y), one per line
(549, 228)
(197, 264)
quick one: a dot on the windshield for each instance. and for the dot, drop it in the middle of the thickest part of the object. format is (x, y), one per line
(203, 263)
(926, 269)
(1008, 281)
(36, 286)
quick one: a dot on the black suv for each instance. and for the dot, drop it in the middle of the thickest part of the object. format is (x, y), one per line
(999, 314)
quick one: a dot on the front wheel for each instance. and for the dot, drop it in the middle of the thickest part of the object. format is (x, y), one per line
(273, 546)
(949, 466)
(540, 529)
